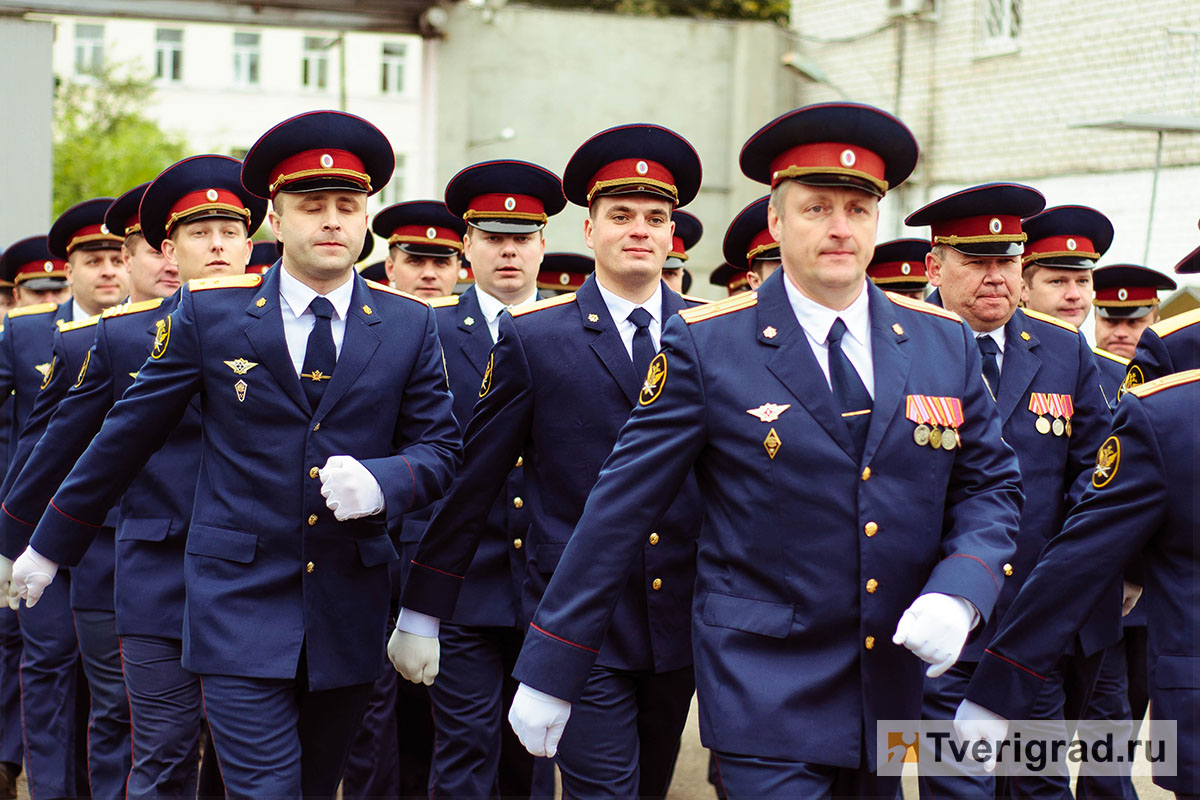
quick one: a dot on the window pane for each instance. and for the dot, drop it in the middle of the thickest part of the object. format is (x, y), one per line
(1014, 25)
(176, 65)
(84, 31)
(168, 35)
(394, 49)
(245, 39)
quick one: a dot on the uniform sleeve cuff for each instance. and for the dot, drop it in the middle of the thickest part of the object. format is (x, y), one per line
(431, 591)
(554, 665)
(418, 624)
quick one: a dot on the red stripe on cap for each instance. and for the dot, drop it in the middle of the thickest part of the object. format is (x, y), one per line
(91, 233)
(556, 279)
(133, 225)
(831, 156)
(898, 270)
(1127, 295)
(762, 241)
(45, 268)
(320, 164)
(677, 249)
(630, 172)
(426, 234)
(502, 205)
(1061, 245)
(995, 228)
(206, 200)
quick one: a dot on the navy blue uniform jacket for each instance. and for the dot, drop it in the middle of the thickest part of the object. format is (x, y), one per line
(1171, 345)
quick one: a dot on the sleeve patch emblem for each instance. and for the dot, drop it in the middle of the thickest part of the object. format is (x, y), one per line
(656, 378)
(83, 370)
(1108, 458)
(161, 337)
(486, 386)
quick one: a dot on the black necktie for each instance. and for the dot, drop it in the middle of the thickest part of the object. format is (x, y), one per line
(991, 367)
(320, 356)
(849, 393)
(643, 345)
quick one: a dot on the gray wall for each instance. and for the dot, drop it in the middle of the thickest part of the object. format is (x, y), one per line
(558, 77)
(27, 95)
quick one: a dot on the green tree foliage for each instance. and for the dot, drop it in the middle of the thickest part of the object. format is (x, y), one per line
(770, 10)
(104, 143)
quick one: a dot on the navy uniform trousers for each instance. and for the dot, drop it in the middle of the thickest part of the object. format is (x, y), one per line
(1141, 501)
(811, 547)
(11, 737)
(284, 603)
(1042, 356)
(558, 386)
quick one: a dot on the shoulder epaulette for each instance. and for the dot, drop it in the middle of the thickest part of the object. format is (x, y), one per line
(1175, 323)
(248, 281)
(549, 302)
(720, 308)
(38, 308)
(379, 287)
(922, 306)
(444, 302)
(131, 308)
(77, 324)
(1165, 382)
(1038, 315)
(1100, 351)
(692, 299)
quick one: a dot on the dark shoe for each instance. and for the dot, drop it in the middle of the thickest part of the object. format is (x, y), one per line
(8, 780)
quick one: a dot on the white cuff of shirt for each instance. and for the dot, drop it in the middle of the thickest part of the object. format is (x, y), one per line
(418, 624)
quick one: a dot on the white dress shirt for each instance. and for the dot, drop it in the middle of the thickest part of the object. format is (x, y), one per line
(493, 308)
(298, 320)
(998, 336)
(77, 312)
(620, 309)
(816, 320)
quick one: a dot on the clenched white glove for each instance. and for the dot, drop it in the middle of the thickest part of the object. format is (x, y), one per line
(414, 656)
(935, 627)
(1130, 594)
(32, 572)
(973, 722)
(5, 578)
(349, 489)
(538, 720)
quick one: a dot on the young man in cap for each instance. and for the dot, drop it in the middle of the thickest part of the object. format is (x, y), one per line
(557, 388)
(750, 246)
(1169, 346)
(563, 273)
(899, 266)
(425, 243)
(1046, 388)
(1064, 243)
(688, 231)
(731, 279)
(34, 273)
(325, 414)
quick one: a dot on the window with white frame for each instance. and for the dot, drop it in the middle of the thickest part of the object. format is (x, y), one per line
(1000, 26)
(89, 48)
(247, 55)
(168, 55)
(394, 192)
(314, 63)
(391, 67)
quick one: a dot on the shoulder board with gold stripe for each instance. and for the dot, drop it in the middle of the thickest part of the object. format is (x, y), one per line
(1038, 315)
(224, 282)
(379, 287)
(38, 308)
(922, 306)
(1100, 351)
(692, 299)
(1172, 324)
(444, 302)
(131, 308)
(720, 308)
(1165, 382)
(549, 302)
(82, 323)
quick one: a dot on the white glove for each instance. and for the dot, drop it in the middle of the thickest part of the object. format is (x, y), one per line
(973, 722)
(349, 489)
(414, 656)
(5, 578)
(538, 720)
(935, 627)
(1130, 594)
(32, 572)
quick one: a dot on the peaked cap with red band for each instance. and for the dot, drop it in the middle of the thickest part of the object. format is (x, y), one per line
(196, 188)
(421, 228)
(81, 227)
(899, 265)
(633, 159)
(1127, 291)
(30, 263)
(319, 151)
(564, 272)
(733, 278)
(688, 231)
(375, 272)
(983, 220)
(1068, 237)
(1189, 264)
(122, 216)
(748, 238)
(832, 144)
(505, 196)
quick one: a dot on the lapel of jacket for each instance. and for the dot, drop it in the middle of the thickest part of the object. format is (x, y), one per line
(475, 341)
(264, 330)
(1021, 364)
(891, 361)
(64, 313)
(793, 362)
(606, 341)
(358, 345)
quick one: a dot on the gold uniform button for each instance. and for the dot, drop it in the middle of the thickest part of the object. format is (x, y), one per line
(309, 567)
(870, 529)
(315, 472)
(312, 519)
(654, 538)
(518, 502)
(518, 544)
(872, 585)
(1008, 570)
(520, 460)
(869, 643)
(656, 584)
(866, 473)
(316, 427)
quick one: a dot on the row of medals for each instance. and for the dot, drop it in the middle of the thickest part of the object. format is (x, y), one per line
(935, 437)
(1059, 426)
